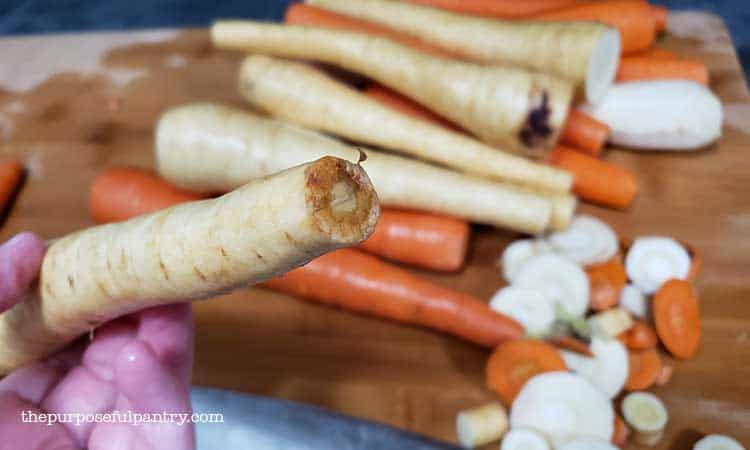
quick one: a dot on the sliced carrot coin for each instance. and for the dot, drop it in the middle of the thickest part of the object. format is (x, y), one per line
(644, 369)
(606, 281)
(677, 318)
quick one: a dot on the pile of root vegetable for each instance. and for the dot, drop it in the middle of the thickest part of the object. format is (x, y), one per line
(492, 112)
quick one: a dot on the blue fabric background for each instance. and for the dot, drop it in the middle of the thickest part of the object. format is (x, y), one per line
(39, 16)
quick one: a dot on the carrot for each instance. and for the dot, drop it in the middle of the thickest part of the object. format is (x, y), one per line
(425, 240)
(11, 174)
(190, 251)
(641, 68)
(514, 362)
(661, 14)
(572, 344)
(634, 18)
(665, 375)
(621, 432)
(502, 9)
(656, 52)
(606, 280)
(595, 180)
(585, 53)
(362, 283)
(121, 193)
(641, 336)
(304, 14)
(644, 368)
(407, 106)
(677, 318)
(505, 106)
(584, 133)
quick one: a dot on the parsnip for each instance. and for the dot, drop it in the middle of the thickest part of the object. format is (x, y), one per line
(188, 252)
(504, 106)
(212, 148)
(301, 94)
(479, 426)
(586, 53)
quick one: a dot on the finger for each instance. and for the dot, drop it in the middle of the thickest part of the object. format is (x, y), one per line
(19, 430)
(109, 340)
(20, 260)
(169, 331)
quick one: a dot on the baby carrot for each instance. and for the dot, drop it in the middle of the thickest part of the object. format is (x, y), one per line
(514, 362)
(595, 180)
(677, 318)
(504, 9)
(584, 133)
(362, 283)
(639, 68)
(606, 280)
(661, 15)
(634, 18)
(303, 14)
(641, 336)
(11, 173)
(644, 368)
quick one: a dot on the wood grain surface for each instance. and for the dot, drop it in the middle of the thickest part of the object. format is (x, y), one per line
(71, 105)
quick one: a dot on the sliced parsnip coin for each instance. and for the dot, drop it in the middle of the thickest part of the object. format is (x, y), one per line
(633, 300)
(523, 439)
(562, 406)
(653, 260)
(528, 306)
(559, 279)
(610, 323)
(718, 442)
(482, 425)
(607, 370)
(588, 444)
(587, 241)
(517, 253)
(646, 415)
(660, 115)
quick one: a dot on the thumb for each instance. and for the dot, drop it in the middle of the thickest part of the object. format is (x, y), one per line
(20, 261)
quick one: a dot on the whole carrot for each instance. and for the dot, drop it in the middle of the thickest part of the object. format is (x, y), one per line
(639, 68)
(361, 283)
(11, 173)
(504, 9)
(584, 133)
(634, 18)
(303, 14)
(595, 180)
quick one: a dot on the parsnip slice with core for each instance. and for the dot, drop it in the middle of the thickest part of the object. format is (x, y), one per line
(531, 308)
(523, 439)
(718, 442)
(651, 261)
(646, 415)
(660, 115)
(563, 406)
(587, 241)
(559, 279)
(633, 300)
(517, 253)
(607, 370)
(610, 323)
(479, 426)
(187, 252)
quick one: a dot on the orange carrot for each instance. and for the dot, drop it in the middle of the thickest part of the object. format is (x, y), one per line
(606, 280)
(621, 432)
(505, 9)
(641, 336)
(637, 68)
(407, 106)
(644, 368)
(362, 283)
(665, 375)
(661, 15)
(585, 133)
(595, 180)
(427, 240)
(303, 14)
(514, 362)
(11, 173)
(572, 344)
(634, 18)
(122, 193)
(677, 318)
(656, 52)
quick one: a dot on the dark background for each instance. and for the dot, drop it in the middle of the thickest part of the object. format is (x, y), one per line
(39, 16)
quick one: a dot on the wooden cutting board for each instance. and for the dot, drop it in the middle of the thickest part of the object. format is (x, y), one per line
(72, 105)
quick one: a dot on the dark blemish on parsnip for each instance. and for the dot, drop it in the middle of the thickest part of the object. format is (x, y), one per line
(537, 126)
(199, 273)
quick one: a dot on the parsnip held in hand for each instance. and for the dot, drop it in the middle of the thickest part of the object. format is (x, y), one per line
(586, 53)
(509, 107)
(190, 251)
(304, 95)
(212, 148)
(660, 115)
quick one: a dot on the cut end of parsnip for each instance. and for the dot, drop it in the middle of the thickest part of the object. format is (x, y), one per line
(602, 66)
(343, 201)
(479, 426)
(718, 442)
(646, 415)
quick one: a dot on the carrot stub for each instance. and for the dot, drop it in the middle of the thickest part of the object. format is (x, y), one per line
(677, 318)
(514, 362)
(584, 133)
(11, 173)
(641, 336)
(362, 283)
(606, 281)
(644, 368)
(595, 180)
(640, 68)
(504, 9)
